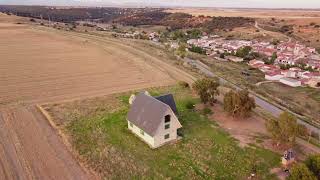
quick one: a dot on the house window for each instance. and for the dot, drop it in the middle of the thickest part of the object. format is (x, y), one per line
(131, 124)
(142, 132)
(167, 136)
(167, 126)
(167, 118)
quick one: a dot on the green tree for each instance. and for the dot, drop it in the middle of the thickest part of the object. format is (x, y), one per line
(238, 103)
(181, 51)
(274, 57)
(313, 163)
(301, 172)
(207, 89)
(243, 52)
(194, 33)
(197, 49)
(284, 130)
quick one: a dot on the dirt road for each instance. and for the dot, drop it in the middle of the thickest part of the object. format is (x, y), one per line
(40, 66)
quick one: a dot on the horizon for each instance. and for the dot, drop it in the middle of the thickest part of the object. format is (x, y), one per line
(240, 4)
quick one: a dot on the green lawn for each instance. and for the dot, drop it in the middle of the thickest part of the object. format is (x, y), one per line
(205, 152)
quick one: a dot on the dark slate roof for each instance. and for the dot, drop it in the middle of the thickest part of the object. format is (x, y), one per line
(147, 112)
(169, 100)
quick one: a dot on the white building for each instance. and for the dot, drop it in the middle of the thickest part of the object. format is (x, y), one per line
(153, 119)
(290, 82)
(273, 76)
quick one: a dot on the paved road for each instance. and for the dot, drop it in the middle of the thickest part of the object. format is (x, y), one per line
(274, 110)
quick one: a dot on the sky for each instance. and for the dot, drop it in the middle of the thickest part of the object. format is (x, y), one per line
(192, 3)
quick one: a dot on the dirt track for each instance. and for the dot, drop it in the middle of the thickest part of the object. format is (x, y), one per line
(39, 65)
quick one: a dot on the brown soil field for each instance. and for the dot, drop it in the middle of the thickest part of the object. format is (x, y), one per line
(38, 65)
(255, 13)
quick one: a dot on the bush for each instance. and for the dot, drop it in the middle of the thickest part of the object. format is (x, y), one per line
(301, 172)
(184, 84)
(190, 105)
(313, 163)
(197, 49)
(207, 111)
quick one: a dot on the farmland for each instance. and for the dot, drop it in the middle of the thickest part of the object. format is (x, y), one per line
(40, 65)
(97, 129)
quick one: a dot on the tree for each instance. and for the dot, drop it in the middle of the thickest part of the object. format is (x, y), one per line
(181, 51)
(197, 49)
(274, 57)
(284, 130)
(301, 172)
(238, 103)
(194, 33)
(313, 163)
(222, 55)
(207, 88)
(243, 52)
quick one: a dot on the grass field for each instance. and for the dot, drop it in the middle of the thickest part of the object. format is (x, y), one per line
(205, 151)
(303, 100)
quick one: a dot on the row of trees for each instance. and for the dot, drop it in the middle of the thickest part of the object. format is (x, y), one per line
(236, 103)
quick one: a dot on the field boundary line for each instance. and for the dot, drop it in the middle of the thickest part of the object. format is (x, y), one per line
(66, 142)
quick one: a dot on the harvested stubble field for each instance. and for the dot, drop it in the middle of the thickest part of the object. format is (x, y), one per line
(38, 65)
(255, 13)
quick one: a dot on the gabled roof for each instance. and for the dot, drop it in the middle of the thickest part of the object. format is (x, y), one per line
(147, 112)
(169, 100)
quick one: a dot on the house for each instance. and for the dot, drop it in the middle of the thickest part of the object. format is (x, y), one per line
(154, 119)
(254, 63)
(290, 82)
(235, 59)
(289, 73)
(273, 76)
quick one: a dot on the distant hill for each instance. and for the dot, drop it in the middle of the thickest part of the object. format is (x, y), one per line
(48, 2)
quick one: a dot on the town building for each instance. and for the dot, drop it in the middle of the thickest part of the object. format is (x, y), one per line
(290, 82)
(273, 76)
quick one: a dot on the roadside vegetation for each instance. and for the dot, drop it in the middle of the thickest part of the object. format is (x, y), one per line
(307, 170)
(205, 151)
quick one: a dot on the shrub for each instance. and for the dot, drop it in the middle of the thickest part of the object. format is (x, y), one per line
(190, 105)
(197, 49)
(207, 111)
(301, 172)
(313, 163)
(184, 84)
